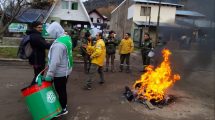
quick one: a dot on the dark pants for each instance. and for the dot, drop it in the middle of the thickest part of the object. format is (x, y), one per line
(37, 70)
(87, 63)
(125, 57)
(110, 58)
(91, 76)
(60, 87)
(74, 43)
(145, 58)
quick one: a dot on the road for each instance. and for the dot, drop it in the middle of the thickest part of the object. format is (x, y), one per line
(194, 92)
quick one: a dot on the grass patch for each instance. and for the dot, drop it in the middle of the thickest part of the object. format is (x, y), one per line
(8, 52)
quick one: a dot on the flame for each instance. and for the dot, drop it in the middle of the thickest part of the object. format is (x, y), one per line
(154, 83)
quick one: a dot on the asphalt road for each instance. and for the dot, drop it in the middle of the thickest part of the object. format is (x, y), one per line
(194, 92)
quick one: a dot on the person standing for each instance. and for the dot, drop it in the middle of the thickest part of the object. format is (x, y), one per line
(60, 63)
(86, 51)
(97, 61)
(110, 44)
(146, 47)
(126, 47)
(39, 45)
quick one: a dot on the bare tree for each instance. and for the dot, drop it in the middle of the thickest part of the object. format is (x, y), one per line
(9, 10)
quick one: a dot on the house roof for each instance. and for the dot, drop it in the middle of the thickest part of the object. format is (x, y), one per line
(31, 15)
(157, 3)
(149, 2)
(85, 11)
(142, 23)
(179, 23)
(94, 10)
(189, 13)
(50, 11)
(28, 15)
(79, 1)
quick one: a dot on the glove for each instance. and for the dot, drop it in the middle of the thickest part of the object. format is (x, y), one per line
(47, 78)
(39, 80)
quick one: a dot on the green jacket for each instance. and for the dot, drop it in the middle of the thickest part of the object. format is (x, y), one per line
(146, 46)
(111, 44)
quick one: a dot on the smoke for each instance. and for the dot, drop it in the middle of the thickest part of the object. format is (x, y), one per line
(205, 7)
(193, 53)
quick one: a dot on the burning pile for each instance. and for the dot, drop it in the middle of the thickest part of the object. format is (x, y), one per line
(154, 84)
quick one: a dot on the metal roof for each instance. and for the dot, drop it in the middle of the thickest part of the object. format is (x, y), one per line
(189, 13)
(149, 2)
(142, 23)
(157, 2)
(29, 15)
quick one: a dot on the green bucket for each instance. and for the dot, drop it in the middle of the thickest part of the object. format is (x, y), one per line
(42, 101)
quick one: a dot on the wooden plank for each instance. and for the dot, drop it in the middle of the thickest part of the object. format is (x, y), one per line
(149, 105)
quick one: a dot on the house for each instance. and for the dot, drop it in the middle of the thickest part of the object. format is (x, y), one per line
(139, 16)
(196, 22)
(98, 20)
(69, 13)
(21, 22)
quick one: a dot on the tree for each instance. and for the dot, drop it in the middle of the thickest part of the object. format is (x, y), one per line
(9, 10)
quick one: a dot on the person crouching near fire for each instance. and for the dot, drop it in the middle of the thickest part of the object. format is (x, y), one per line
(60, 63)
(97, 61)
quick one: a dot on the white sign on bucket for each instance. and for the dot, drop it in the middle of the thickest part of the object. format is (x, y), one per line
(51, 97)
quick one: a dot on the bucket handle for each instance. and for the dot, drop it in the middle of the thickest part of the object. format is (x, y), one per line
(39, 75)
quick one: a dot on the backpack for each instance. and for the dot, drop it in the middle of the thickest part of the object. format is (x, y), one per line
(25, 50)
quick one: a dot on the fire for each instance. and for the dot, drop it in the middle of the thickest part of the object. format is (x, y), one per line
(154, 84)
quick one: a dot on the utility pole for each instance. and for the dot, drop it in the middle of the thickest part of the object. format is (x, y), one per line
(158, 22)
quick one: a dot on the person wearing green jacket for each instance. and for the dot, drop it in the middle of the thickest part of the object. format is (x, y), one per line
(86, 43)
(111, 42)
(146, 47)
(60, 63)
